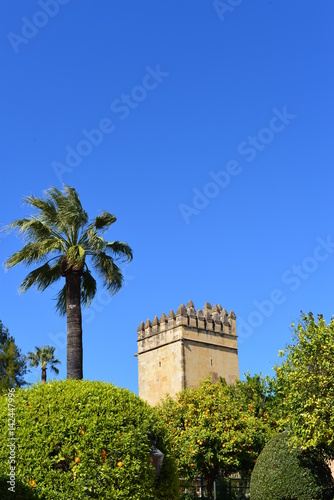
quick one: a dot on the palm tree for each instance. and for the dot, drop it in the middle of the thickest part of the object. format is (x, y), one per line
(44, 357)
(60, 238)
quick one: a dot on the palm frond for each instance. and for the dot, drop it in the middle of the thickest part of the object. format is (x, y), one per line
(102, 222)
(91, 238)
(109, 272)
(121, 249)
(54, 368)
(31, 252)
(36, 228)
(47, 209)
(62, 210)
(61, 301)
(33, 357)
(80, 215)
(88, 288)
(70, 210)
(93, 242)
(16, 223)
(42, 277)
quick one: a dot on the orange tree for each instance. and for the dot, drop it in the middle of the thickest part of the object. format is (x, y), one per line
(214, 429)
(261, 395)
(305, 382)
(79, 439)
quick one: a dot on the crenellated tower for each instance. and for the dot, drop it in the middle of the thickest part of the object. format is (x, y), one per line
(180, 350)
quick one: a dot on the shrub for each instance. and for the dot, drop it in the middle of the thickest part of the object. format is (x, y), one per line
(22, 492)
(81, 439)
(283, 473)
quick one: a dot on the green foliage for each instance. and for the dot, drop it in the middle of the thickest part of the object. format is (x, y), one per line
(213, 428)
(260, 393)
(12, 363)
(22, 492)
(61, 240)
(283, 473)
(81, 439)
(305, 381)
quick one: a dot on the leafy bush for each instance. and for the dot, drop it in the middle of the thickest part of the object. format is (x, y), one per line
(283, 473)
(81, 439)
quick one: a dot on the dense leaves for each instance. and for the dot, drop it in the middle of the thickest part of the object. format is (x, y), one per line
(215, 429)
(282, 473)
(12, 363)
(305, 381)
(80, 439)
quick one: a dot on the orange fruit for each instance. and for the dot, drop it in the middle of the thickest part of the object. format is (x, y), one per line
(77, 460)
(32, 483)
(119, 464)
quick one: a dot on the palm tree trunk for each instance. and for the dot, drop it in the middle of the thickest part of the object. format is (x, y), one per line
(74, 325)
(43, 374)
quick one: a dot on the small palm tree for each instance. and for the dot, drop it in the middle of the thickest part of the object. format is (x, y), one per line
(60, 239)
(42, 358)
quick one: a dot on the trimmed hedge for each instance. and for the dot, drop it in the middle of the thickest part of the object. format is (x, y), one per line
(82, 439)
(282, 473)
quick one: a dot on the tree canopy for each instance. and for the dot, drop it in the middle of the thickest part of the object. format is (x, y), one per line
(59, 236)
(83, 440)
(13, 365)
(305, 382)
(214, 429)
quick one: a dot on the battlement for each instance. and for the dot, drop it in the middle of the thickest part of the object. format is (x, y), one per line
(213, 320)
(180, 350)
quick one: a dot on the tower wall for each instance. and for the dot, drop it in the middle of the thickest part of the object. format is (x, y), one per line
(179, 351)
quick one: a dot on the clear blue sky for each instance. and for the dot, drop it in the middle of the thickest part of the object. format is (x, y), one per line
(214, 151)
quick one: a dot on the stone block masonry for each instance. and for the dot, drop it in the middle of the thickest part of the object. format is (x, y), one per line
(180, 350)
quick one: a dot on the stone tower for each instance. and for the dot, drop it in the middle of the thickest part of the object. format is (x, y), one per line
(179, 351)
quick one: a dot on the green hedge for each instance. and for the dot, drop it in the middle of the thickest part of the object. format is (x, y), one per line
(282, 473)
(77, 439)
